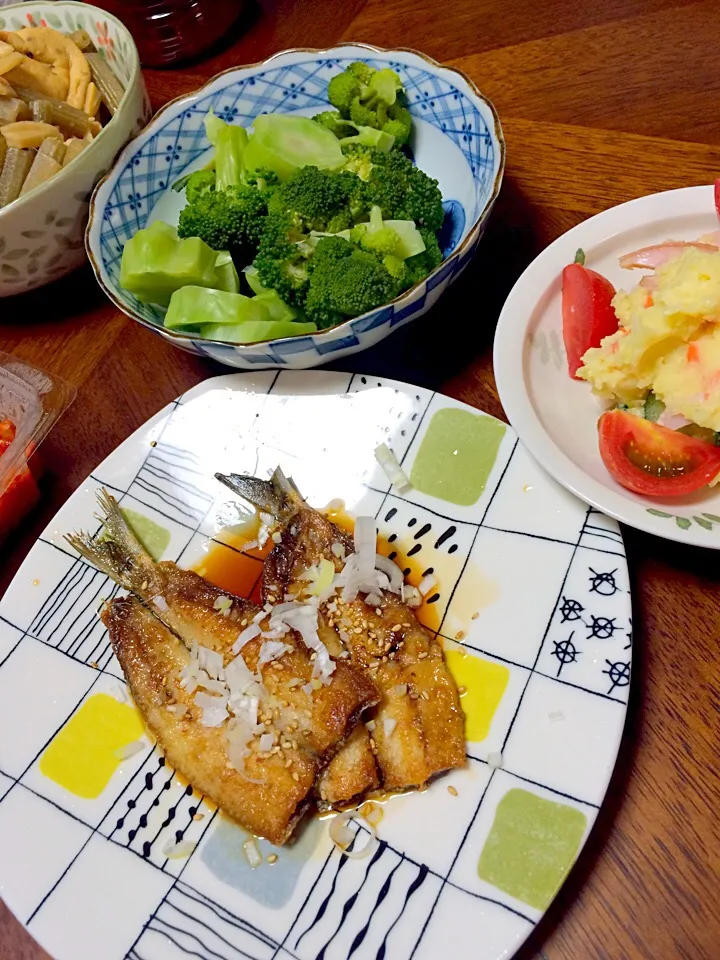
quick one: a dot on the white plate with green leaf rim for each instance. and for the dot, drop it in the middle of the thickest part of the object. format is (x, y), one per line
(555, 416)
(533, 604)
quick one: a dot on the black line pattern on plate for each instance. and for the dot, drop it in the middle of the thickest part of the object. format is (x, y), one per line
(384, 870)
(172, 479)
(198, 927)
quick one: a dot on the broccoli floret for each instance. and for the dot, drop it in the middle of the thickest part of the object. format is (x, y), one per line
(348, 132)
(345, 282)
(362, 71)
(393, 183)
(399, 124)
(281, 260)
(335, 123)
(263, 180)
(419, 266)
(319, 200)
(199, 183)
(343, 89)
(229, 219)
(348, 85)
(359, 160)
(195, 184)
(369, 98)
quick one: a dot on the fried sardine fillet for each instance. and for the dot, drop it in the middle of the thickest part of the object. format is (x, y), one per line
(149, 653)
(418, 727)
(279, 693)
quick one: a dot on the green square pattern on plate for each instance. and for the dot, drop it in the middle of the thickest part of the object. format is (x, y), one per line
(457, 455)
(531, 846)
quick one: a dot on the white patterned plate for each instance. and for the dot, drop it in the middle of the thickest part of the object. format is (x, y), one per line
(532, 600)
(555, 416)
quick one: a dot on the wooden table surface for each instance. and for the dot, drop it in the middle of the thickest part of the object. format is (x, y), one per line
(600, 102)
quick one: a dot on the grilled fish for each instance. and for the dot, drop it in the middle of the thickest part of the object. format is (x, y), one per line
(149, 653)
(309, 715)
(418, 728)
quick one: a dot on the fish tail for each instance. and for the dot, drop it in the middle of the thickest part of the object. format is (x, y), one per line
(115, 549)
(277, 496)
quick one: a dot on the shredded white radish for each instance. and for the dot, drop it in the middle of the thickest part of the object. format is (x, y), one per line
(365, 545)
(210, 661)
(426, 584)
(307, 688)
(248, 634)
(252, 854)
(272, 650)
(266, 742)
(389, 725)
(214, 709)
(338, 550)
(495, 760)
(179, 709)
(277, 537)
(303, 617)
(161, 603)
(178, 851)
(400, 689)
(392, 469)
(223, 604)
(130, 749)
(342, 837)
(391, 570)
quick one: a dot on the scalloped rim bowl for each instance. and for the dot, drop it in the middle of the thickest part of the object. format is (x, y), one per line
(452, 93)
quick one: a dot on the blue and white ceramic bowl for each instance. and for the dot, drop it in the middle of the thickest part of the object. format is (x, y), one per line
(457, 139)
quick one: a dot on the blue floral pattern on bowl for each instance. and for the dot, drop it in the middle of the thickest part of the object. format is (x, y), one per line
(457, 139)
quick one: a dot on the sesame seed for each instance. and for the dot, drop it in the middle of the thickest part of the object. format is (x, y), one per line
(398, 626)
(425, 695)
(272, 858)
(422, 656)
(373, 745)
(288, 762)
(243, 622)
(358, 630)
(96, 666)
(296, 778)
(198, 817)
(378, 611)
(451, 790)
(475, 616)
(462, 690)
(460, 635)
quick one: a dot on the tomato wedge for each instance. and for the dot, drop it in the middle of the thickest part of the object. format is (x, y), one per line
(588, 314)
(653, 460)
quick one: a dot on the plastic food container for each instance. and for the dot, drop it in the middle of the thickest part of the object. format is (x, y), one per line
(30, 403)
